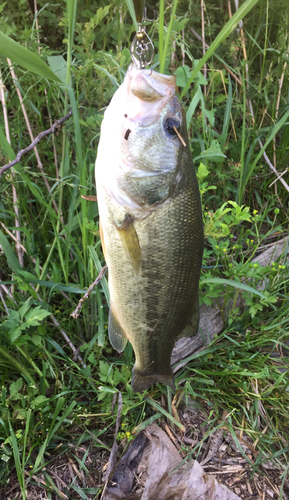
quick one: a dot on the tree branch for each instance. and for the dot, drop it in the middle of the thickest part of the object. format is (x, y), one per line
(51, 130)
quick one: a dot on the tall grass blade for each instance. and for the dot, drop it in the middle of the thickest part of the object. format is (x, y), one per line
(16, 454)
(224, 33)
(275, 129)
(223, 137)
(161, 31)
(131, 10)
(168, 34)
(160, 409)
(9, 253)
(193, 105)
(20, 55)
(235, 284)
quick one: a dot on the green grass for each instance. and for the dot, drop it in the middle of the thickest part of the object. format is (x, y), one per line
(53, 396)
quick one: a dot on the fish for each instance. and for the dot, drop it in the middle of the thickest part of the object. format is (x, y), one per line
(150, 221)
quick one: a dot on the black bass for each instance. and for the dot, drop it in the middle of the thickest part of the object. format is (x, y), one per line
(150, 223)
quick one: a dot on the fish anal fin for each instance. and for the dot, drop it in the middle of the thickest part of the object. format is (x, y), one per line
(116, 334)
(140, 382)
(130, 242)
(191, 329)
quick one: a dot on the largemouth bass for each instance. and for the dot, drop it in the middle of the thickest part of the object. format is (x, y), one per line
(150, 223)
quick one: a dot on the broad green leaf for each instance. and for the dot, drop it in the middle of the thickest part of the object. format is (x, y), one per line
(179, 25)
(36, 315)
(100, 14)
(58, 66)
(20, 55)
(224, 33)
(16, 332)
(193, 105)
(39, 400)
(5, 146)
(16, 386)
(2, 6)
(9, 253)
(214, 152)
(235, 284)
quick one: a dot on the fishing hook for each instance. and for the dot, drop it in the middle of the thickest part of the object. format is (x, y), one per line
(142, 48)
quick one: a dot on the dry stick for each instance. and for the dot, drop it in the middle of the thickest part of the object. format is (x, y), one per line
(45, 90)
(249, 103)
(251, 111)
(225, 66)
(14, 192)
(39, 163)
(276, 116)
(76, 312)
(274, 169)
(204, 44)
(33, 260)
(3, 300)
(183, 51)
(51, 130)
(114, 450)
(8, 292)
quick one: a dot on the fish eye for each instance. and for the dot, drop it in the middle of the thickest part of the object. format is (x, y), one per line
(169, 125)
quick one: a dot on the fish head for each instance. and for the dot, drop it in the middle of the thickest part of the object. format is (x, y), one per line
(142, 147)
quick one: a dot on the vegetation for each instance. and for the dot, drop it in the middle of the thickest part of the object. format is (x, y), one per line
(59, 376)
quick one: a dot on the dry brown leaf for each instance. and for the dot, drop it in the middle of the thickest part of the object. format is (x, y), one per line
(164, 480)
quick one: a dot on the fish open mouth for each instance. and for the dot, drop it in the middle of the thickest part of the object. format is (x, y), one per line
(150, 86)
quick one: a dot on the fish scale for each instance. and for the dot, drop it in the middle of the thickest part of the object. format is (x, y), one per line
(151, 225)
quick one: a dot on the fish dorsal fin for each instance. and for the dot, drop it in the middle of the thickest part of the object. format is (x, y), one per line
(116, 334)
(130, 242)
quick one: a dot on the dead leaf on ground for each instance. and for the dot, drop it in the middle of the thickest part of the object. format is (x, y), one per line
(158, 475)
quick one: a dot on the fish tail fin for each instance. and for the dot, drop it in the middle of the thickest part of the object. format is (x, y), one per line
(140, 382)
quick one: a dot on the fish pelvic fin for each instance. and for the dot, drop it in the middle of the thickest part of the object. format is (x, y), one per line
(116, 334)
(130, 242)
(141, 382)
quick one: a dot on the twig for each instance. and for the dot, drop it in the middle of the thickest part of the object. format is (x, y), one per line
(51, 130)
(32, 259)
(45, 90)
(14, 192)
(76, 312)
(204, 43)
(3, 300)
(114, 450)
(249, 103)
(39, 163)
(273, 168)
(225, 66)
(279, 177)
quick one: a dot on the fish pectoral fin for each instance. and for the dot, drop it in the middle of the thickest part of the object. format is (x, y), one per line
(130, 242)
(191, 329)
(102, 238)
(116, 334)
